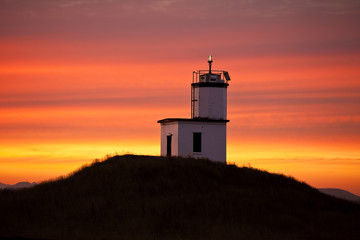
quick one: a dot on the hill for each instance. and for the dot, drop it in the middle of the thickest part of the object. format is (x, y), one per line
(143, 197)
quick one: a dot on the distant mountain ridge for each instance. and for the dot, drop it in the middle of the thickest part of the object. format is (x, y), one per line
(17, 185)
(340, 193)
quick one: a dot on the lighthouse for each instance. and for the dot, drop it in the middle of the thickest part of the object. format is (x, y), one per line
(204, 134)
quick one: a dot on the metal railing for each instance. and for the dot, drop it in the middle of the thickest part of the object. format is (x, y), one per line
(224, 75)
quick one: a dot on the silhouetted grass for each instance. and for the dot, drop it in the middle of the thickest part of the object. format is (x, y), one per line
(143, 197)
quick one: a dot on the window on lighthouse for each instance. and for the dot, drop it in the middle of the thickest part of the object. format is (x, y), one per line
(197, 142)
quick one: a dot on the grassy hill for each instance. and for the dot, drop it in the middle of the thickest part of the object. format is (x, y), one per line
(142, 197)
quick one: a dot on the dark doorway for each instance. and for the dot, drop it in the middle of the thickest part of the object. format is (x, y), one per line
(168, 145)
(197, 142)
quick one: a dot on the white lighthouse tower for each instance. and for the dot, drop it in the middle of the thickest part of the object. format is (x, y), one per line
(204, 134)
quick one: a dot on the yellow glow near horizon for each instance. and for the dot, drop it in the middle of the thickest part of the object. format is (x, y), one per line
(39, 162)
(319, 167)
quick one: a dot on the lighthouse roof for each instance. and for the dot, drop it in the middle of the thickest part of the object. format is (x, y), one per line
(168, 120)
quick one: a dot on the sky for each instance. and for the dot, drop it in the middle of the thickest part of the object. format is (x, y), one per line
(83, 79)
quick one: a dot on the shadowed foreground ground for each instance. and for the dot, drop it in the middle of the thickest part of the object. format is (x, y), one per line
(141, 197)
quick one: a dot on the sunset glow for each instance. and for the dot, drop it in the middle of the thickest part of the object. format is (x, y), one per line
(83, 79)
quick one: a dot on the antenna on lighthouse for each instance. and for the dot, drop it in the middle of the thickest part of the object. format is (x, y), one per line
(210, 60)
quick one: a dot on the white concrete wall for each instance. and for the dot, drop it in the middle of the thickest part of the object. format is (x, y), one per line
(213, 139)
(167, 129)
(211, 102)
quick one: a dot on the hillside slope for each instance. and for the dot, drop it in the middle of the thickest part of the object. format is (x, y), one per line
(141, 197)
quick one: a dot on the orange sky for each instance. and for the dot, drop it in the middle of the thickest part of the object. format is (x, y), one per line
(82, 79)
